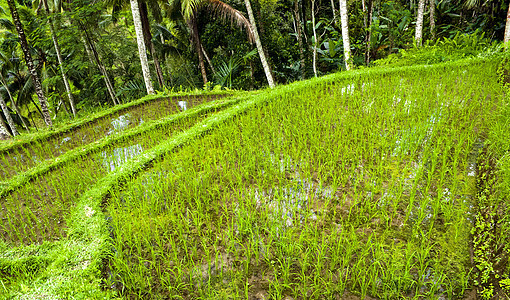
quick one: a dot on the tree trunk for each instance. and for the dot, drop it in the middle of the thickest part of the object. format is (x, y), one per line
(345, 34)
(7, 115)
(256, 37)
(3, 130)
(141, 46)
(144, 14)
(419, 23)
(432, 19)
(333, 10)
(59, 57)
(30, 64)
(16, 108)
(506, 39)
(207, 59)
(368, 24)
(192, 23)
(314, 55)
(100, 66)
(299, 38)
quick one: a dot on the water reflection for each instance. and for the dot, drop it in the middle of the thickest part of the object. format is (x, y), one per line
(118, 156)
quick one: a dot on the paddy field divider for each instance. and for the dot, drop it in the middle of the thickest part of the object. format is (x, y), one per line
(75, 264)
(70, 156)
(32, 138)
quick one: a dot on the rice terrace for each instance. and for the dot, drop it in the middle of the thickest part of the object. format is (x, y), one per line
(378, 183)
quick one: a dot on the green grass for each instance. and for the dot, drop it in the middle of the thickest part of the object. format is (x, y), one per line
(35, 204)
(19, 156)
(366, 183)
(325, 191)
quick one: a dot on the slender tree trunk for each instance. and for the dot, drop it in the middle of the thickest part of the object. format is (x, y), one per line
(141, 46)
(192, 23)
(207, 59)
(7, 115)
(419, 23)
(368, 24)
(30, 64)
(16, 108)
(314, 55)
(433, 19)
(90, 54)
(100, 66)
(59, 57)
(345, 34)
(144, 14)
(506, 38)
(299, 38)
(333, 10)
(256, 37)
(3, 129)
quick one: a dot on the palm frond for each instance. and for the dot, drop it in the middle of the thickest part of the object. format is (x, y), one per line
(189, 8)
(155, 11)
(7, 24)
(227, 12)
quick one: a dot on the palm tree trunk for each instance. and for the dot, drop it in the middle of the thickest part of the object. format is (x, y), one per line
(506, 38)
(419, 23)
(314, 56)
(368, 12)
(30, 64)
(299, 37)
(16, 108)
(345, 34)
(59, 57)
(92, 48)
(144, 15)
(8, 116)
(432, 19)
(141, 46)
(256, 37)
(333, 11)
(208, 60)
(192, 23)
(3, 129)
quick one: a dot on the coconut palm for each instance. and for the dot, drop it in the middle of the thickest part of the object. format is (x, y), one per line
(59, 57)
(506, 38)
(141, 46)
(190, 10)
(345, 34)
(28, 59)
(419, 23)
(7, 115)
(256, 37)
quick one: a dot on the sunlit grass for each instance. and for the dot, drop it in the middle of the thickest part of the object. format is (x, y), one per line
(358, 187)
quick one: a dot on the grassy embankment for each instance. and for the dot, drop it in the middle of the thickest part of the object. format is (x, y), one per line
(368, 183)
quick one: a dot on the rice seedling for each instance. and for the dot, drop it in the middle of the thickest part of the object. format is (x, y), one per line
(35, 209)
(344, 186)
(358, 185)
(23, 155)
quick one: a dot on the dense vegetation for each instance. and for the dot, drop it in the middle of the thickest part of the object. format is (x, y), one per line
(85, 52)
(386, 178)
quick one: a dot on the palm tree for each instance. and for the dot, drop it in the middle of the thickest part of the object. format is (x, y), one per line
(59, 57)
(190, 9)
(506, 38)
(28, 59)
(141, 46)
(7, 115)
(255, 33)
(419, 23)
(345, 34)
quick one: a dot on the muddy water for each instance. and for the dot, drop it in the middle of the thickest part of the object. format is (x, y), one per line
(37, 212)
(19, 160)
